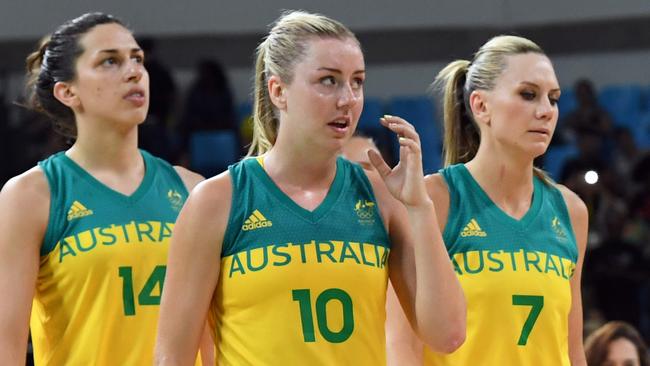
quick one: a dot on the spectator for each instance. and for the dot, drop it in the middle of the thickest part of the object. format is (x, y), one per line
(616, 344)
(153, 133)
(209, 103)
(589, 115)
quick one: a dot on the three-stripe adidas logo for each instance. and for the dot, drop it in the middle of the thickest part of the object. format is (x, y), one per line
(472, 229)
(78, 210)
(256, 221)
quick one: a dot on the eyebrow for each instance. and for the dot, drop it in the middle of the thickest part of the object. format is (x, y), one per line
(339, 71)
(537, 86)
(113, 50)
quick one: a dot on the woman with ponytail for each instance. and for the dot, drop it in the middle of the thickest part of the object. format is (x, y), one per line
(289, 249)
(516, 239)
(84, 234)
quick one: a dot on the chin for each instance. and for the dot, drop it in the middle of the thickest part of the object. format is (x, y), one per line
(138, 118)
(537, 151)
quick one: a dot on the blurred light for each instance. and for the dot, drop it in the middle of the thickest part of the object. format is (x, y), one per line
(591, 177)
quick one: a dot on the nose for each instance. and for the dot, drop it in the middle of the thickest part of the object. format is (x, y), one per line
(348, 96)
(134, 71)
(546, 110)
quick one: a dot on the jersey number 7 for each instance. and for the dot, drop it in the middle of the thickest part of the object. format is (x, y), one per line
(537, 303)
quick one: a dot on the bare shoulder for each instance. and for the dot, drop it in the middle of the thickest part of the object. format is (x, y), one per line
(575, 204)
(212, 197)
(29, 189)
(190, 178)
(438, 191)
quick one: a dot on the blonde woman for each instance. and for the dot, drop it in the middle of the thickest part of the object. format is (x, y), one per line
(291, 249)
(516, 239)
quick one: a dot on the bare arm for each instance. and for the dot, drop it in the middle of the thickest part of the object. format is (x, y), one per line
(192, 271)
(24, 211)
(580, 222)
(420, 269)
(400, 336)
(403, 347)
(206, 346)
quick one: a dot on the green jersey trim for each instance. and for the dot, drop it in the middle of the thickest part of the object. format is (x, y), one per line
(143, 187)
(310, 216)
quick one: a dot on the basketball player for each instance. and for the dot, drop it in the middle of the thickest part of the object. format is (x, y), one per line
(516, 239)
(85, 233)
(290, 248)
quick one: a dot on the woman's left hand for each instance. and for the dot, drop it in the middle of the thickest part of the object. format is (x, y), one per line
(405, 181)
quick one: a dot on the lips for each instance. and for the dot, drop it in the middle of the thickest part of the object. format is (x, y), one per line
(541, 131)
(136, 96)
(340, 125)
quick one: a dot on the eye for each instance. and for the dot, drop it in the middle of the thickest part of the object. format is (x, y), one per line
(109, 61)
(357, 83)
(138, 58)
(528, 95)
(553, 100)
(328, 80)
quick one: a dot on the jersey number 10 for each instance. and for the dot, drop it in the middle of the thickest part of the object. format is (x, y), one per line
(303, 297)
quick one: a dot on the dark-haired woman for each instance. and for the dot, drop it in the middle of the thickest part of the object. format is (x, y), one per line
(83, 235)
(616, 344)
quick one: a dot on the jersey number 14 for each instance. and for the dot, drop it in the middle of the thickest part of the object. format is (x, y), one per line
(146, 296)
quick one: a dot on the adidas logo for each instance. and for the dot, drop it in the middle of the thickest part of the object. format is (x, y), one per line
(256, 221)
(78, 210)
(472, 229)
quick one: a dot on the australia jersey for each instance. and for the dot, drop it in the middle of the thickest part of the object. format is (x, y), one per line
(102, 265)
(300, 287)
(515, 275)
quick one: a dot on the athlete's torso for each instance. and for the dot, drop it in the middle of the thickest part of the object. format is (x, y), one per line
(102, 265)
(300, 287)
(515, 275)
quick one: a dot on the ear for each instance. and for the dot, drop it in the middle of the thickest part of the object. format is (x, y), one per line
(277, 92)
(479, 105)
(66, 94)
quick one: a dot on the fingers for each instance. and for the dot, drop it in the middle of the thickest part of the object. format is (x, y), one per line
(410, 145)
(378, 162)
(401, 127)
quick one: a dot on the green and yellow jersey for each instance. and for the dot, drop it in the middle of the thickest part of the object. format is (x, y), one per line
(515, 275)
(102, 265)
(300, 287)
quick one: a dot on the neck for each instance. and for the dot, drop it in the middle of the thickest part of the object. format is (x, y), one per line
(288, 164)
(105, 149)
(506, 177)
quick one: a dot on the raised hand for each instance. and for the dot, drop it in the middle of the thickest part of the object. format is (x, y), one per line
(405, 181)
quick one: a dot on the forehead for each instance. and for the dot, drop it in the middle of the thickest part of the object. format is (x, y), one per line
(107, 36)
(529, 67)
(341, 54)
(621, 348)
